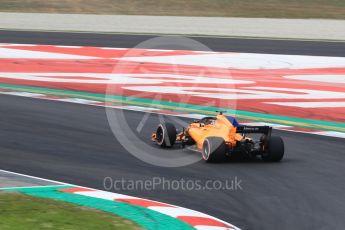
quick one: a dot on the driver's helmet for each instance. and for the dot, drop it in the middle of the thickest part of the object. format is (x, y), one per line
(212, 122)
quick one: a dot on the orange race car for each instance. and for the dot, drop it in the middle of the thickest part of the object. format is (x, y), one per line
(220, 137)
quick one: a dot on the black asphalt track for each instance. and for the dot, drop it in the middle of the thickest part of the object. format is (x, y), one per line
(321, 48)
(74, 144)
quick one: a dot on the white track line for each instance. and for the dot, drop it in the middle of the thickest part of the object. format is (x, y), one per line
(38, 186)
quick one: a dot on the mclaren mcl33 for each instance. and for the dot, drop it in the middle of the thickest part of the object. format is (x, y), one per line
(217, 138)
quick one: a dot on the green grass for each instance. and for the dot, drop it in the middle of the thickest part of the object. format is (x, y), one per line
(228, 8)
(23, 212)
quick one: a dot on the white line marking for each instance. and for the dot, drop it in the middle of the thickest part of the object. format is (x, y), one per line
(175, 212)
(38, 186)
(77, 100)
(110, 48)
(105, 195)
(330, 134)
(319, 133)
(5, 44)
(307, 104)
(23, 94)
(136, 108)
(246, 60)
(319, 78)
(17, 53)
(203, 227)
(72, 47)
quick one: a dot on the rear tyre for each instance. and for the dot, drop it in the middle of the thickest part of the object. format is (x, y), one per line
(275, 151)
(214, 149)
(166, 135)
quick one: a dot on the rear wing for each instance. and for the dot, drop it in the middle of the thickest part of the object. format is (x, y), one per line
(267, 130)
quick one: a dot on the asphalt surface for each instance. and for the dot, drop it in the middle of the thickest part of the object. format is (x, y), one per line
(74, 144)
(11, 180)
(218, 44)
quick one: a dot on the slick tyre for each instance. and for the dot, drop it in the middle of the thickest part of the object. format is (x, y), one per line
(166, 135)
(214, 149)
(275, 151)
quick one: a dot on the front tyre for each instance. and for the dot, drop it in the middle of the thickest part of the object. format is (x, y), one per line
(166, 135)
(214, 149)
(275, 151)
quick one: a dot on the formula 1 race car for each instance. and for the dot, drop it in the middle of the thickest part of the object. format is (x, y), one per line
(219, 137)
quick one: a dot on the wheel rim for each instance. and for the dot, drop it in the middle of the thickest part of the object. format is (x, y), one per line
(160, 135)
(206, 150)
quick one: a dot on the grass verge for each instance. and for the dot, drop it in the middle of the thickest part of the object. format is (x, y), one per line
(334, 9)
(19, 211)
